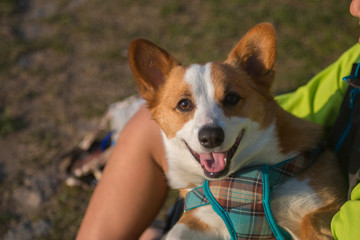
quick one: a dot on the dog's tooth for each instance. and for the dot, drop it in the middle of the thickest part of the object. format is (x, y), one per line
(225, 159)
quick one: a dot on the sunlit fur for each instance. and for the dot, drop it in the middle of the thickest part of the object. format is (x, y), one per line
(303, 205)
(259, 144)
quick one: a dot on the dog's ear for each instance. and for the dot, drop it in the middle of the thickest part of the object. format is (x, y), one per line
(256, 54)
(150, 65)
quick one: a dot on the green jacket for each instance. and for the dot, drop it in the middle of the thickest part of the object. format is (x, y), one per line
(319, 101)
(345, 224)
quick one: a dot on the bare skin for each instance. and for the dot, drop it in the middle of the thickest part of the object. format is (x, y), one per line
(133, 187)
(355, 9)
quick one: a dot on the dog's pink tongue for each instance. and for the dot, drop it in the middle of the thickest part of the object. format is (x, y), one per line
(213, 162)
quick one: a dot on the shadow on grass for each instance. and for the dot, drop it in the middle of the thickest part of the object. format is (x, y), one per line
(9, 123)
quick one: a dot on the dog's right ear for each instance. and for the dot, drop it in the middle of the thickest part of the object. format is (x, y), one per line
(150, 65)
(256, 54)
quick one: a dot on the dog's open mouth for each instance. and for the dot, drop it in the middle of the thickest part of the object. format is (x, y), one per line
(216, 164)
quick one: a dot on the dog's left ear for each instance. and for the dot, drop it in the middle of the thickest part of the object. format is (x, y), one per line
(256, 54)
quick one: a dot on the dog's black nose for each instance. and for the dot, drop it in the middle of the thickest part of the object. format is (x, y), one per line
(211, 136)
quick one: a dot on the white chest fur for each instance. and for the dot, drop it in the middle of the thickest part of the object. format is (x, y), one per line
(291, 201)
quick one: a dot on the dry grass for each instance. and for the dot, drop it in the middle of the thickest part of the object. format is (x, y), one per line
(63, 62)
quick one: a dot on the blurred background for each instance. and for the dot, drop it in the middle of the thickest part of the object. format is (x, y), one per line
(63, 62)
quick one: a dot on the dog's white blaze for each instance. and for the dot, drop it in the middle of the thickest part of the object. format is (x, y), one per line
(207, 110)
(183, 168)
(199, 78)
(258, 146)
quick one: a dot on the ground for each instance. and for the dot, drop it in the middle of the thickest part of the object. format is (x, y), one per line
(62, 63)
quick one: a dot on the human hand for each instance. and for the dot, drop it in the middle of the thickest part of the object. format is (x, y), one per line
(345, 224)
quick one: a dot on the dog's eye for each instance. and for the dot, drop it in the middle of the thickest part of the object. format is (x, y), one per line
(184, 105)
(231, 99)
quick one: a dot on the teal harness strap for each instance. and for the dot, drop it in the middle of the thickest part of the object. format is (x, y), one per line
(242, 200)
(196, 198)
(279, 233)
(202, 196)
(354, 92)
(220, 211)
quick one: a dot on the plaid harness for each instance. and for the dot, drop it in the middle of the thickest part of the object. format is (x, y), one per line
(242, 200)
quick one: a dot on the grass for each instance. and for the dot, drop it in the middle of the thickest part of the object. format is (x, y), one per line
(8, 7)
(9, 123)
(307, 36)
(69, 212)
(94, 36)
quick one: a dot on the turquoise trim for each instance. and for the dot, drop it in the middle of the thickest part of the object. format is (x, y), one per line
(193, 204)
(269, 175)
(344, 135)
(278, 233)
(220, 211)
(199, 205)
(354, 92)
(356, 75)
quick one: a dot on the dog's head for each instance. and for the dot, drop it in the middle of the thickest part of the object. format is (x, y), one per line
(215, 116)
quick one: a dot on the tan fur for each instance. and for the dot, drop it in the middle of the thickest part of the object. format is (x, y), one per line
(150, 65)
(249, 71)
(183, 192)
(194, 223)
(253, 104)
(294, 133)
(316, 225)
(324, 171)
(190, 220)
(169, 95)
(249, 54)
(327, 180)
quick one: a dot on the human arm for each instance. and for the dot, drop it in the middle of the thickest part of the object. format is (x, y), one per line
(133, 186)
(345, 224)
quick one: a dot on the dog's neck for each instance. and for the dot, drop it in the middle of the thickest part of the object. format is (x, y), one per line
(295, 134)
(291, 135)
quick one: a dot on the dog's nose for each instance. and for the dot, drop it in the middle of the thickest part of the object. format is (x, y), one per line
(211, 137)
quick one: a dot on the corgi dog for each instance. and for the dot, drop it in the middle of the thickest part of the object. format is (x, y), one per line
(218, 118)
